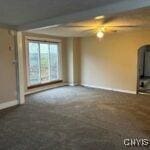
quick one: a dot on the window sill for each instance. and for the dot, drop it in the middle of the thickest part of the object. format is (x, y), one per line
(44, 84)
(44, 88)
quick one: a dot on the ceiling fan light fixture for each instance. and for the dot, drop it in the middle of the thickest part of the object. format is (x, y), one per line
(99, 17)
(100, 34)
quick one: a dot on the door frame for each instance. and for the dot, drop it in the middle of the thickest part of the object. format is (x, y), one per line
(138, 67)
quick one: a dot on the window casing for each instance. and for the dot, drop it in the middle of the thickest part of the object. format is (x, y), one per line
(43, 62)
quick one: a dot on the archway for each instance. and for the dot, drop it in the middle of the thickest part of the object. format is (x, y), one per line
(144, 69)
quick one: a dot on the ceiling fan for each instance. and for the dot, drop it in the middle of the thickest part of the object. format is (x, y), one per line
(101, 29)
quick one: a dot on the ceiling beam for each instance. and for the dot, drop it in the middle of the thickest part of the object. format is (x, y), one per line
(108, 10)
(11, 27)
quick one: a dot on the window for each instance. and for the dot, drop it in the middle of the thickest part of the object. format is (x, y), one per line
(43, 62)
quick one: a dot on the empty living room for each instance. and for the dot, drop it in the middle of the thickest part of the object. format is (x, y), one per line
(75, 75)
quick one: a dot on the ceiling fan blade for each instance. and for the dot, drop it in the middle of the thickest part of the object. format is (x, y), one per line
(88, 30)
(77, 26)
(68, 26)
(108, 20)
(126, 26)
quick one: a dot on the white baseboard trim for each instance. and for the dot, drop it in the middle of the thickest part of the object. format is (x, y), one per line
(110, 89)
(73, 84)
(8, 104)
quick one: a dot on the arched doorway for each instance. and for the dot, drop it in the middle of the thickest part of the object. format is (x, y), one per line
(144, 69)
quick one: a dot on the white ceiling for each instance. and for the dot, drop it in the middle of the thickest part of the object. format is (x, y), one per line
(139, 17)
(30, 14)
(19, 12)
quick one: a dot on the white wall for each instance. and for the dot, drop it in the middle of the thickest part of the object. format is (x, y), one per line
(112, 62)
(7, 68)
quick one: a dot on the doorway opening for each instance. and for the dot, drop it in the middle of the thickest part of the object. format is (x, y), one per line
(144, 69)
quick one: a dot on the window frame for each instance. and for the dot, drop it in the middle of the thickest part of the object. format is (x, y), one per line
(48, 41)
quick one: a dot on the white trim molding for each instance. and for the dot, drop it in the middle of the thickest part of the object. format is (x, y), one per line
(9, 104)
(110, 89)
(73, 84)
(21, 81)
